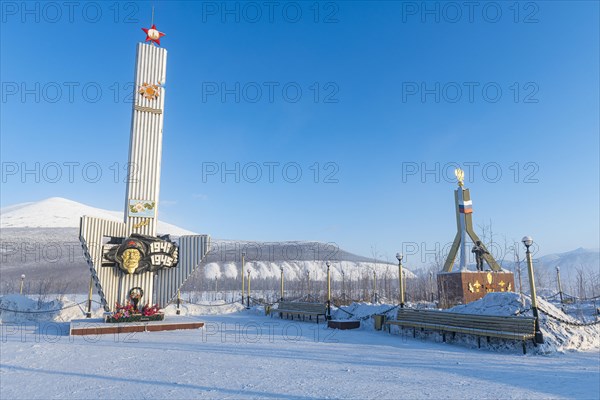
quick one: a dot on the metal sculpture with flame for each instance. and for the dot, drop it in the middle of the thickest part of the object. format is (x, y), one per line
(464, 223)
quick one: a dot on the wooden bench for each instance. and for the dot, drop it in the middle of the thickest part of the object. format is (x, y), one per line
(300, 310)
(515, 328)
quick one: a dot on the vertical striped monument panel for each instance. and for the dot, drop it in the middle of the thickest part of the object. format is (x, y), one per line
(91, 232)
(145, 154)
(192, 250)
(146, 136)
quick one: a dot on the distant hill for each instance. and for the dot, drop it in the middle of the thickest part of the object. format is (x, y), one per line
(582, 264)
(40, 240)
(57, 212)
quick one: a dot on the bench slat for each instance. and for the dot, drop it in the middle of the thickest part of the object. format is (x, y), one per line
(297, 308)
(466, 330)
(504, 327)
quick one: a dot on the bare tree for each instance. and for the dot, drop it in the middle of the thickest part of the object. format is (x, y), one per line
(580, 282)
(517, 256)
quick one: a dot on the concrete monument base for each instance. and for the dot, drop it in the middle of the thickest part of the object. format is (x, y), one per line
(99, 327)
(462, 287)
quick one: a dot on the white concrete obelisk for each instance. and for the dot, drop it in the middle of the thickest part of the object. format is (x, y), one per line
(142, 196)
(145, 144)
(145, 153)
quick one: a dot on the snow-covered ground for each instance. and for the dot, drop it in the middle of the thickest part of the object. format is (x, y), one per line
(245, 354)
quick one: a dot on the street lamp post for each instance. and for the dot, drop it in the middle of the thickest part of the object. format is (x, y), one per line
(400, 283)
(431, 284)
(243, 276)
(539, 338)
(328, 290)
(374, 287)
(88, 314)
(248, 304)
(343, 286)
(22, 281)
(560, 293)
(281, 297)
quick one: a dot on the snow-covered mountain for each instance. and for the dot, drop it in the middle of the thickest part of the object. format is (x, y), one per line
(580, 257)
(578, 268)
(57, 212)
(41, 240)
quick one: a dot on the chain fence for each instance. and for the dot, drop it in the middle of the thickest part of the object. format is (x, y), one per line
(366, 317)
(41, 311)
(570, 296)
(206, 305)
(564, 321)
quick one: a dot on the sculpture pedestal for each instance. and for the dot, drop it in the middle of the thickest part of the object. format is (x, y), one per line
(463, 287)
(343, 325)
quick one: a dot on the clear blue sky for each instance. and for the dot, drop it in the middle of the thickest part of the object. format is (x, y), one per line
(388, 77)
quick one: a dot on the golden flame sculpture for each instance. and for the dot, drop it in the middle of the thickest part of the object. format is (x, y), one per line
(460, 175)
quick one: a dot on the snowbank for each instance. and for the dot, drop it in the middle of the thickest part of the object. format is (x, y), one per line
(558, 336)
(208, 308)
(15, 308)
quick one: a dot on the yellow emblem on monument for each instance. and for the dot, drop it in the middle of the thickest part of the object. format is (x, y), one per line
(502, 284)
(148, 91)
(142, 223)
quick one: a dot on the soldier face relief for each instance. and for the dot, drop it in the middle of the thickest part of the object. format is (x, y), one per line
(131, 260)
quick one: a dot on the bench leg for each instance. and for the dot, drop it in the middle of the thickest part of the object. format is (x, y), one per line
(488, 339)
(524, 348)
(444, 337)
(414, 333)
(478, 342)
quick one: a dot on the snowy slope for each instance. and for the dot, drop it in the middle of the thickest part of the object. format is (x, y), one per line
(57, 212)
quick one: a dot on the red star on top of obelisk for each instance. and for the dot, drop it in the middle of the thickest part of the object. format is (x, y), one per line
(153, 35)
